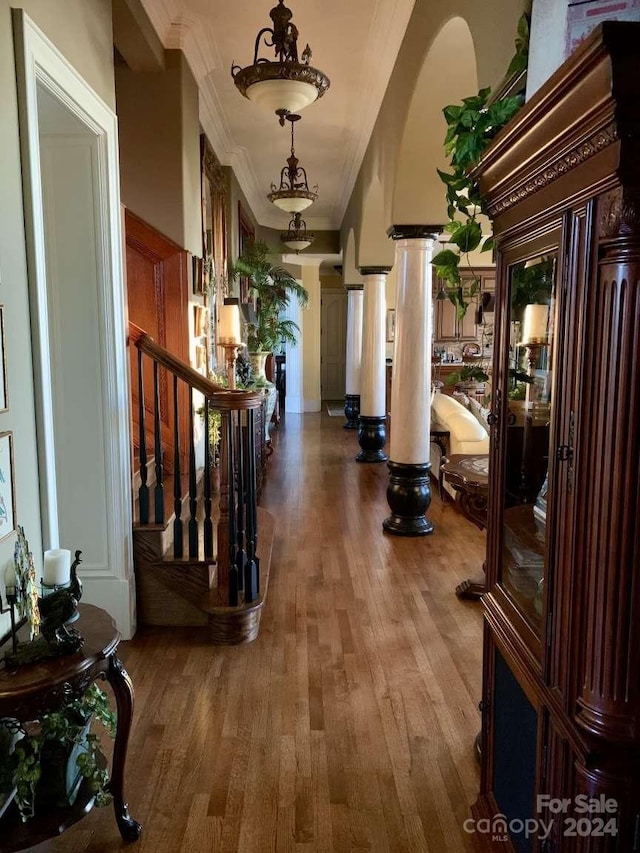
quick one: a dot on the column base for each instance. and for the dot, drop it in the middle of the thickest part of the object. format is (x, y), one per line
(409, 497)
(372, 436)
(351, 411)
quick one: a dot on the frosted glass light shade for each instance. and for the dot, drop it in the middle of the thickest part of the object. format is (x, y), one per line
(534, 326)
(282, 94)
(297, 245)
(229, 324)
(292, 204)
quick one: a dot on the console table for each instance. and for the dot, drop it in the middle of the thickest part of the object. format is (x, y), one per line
(469, 476)
(32, 690)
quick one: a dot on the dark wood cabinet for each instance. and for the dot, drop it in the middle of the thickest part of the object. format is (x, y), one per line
(561, 682)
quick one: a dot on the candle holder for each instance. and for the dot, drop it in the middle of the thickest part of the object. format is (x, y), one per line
(57, 607)
(230, 354)
(12, 599)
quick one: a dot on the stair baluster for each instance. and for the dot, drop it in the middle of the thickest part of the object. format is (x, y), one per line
(193, 486)
(241, 555)
(158, 492)
(143, 491)
(178, 545)
(251, 583)
(208, 451)
(233, 568)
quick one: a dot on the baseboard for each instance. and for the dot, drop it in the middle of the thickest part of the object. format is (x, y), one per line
(117, 597)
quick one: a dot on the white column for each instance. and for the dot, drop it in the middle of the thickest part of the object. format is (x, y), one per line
(411, 394)
(372, 375)
(355, 301)
(354, 338)
(293, 401)
(372, 427)
(409, 492)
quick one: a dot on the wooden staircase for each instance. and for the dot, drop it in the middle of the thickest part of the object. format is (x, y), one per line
(203, 564)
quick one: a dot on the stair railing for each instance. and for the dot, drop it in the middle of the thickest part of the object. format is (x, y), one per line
(238, 565)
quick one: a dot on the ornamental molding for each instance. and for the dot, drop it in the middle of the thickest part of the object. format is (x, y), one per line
(619, 215)
(568, 161)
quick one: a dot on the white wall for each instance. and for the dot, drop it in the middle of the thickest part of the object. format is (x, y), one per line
(82, 30)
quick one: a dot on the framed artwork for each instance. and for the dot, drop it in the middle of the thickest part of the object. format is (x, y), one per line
(391, 325)
(246, 235)
(4, 395)
(7, 491)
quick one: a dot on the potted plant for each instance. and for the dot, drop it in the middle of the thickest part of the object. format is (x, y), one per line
(272, 287)
(468, 378)
(471, 126)
(43, 764)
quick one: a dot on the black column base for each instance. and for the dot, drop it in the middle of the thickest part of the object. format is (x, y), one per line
(372, 436)
(351, 411)
(409, 497)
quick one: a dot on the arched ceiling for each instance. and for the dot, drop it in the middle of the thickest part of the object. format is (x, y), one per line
(419, 195)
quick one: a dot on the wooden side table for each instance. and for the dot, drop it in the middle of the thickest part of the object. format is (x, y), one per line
(35, 689)
(469, 476)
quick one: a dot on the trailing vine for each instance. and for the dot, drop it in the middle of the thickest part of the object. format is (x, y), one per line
(471, 126)
(62, 730)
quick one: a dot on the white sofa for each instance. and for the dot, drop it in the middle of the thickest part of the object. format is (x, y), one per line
(467, 434)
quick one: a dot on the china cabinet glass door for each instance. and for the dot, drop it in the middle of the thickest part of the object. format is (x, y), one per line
(529, 395)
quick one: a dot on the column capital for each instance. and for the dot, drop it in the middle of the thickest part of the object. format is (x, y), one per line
(353, 286)
(414, 232)
(374, 270)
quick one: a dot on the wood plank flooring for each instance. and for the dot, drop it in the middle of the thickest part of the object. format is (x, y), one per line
(348, 725)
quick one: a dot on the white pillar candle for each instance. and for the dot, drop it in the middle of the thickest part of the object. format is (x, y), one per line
(229, 327)
(57, 567)
(534, 326)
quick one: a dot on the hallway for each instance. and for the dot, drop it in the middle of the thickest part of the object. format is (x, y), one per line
(349, 724)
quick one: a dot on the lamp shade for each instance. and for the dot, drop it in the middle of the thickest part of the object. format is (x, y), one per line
(534, 326)
(297, 245)
(229, 322)
(282, 95)
(293, 203)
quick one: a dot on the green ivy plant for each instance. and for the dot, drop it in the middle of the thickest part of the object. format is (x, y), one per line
(63, 730)
(471, 126)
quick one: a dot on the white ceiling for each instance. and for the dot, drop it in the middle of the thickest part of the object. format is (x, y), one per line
(354, 42)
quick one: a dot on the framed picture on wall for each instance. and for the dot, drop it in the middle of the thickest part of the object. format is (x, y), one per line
(4, 395)
(7, 491)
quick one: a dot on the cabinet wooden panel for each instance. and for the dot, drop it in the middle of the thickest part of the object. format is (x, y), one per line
(447, 327)
(562, 611)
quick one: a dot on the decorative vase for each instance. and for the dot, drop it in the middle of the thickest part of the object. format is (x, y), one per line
(258, 362)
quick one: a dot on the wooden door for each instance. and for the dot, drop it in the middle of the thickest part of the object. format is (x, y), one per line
(334, 343)
(157, 294)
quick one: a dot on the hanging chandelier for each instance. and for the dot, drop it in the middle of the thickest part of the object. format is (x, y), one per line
(297, 238)
(286, 85)
(293, 195)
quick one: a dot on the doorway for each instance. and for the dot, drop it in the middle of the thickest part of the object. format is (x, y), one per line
(77, 306)
(333, 343)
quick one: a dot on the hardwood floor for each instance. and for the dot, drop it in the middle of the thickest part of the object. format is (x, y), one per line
(348, 725)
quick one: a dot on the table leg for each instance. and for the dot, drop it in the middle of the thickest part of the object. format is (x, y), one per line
(473, 588)
(120, 682)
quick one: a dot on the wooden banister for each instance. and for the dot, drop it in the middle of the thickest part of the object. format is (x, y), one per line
(221, 398)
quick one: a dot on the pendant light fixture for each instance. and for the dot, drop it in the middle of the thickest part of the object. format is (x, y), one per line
(293, 195)
(297, 238)
(285, 85)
